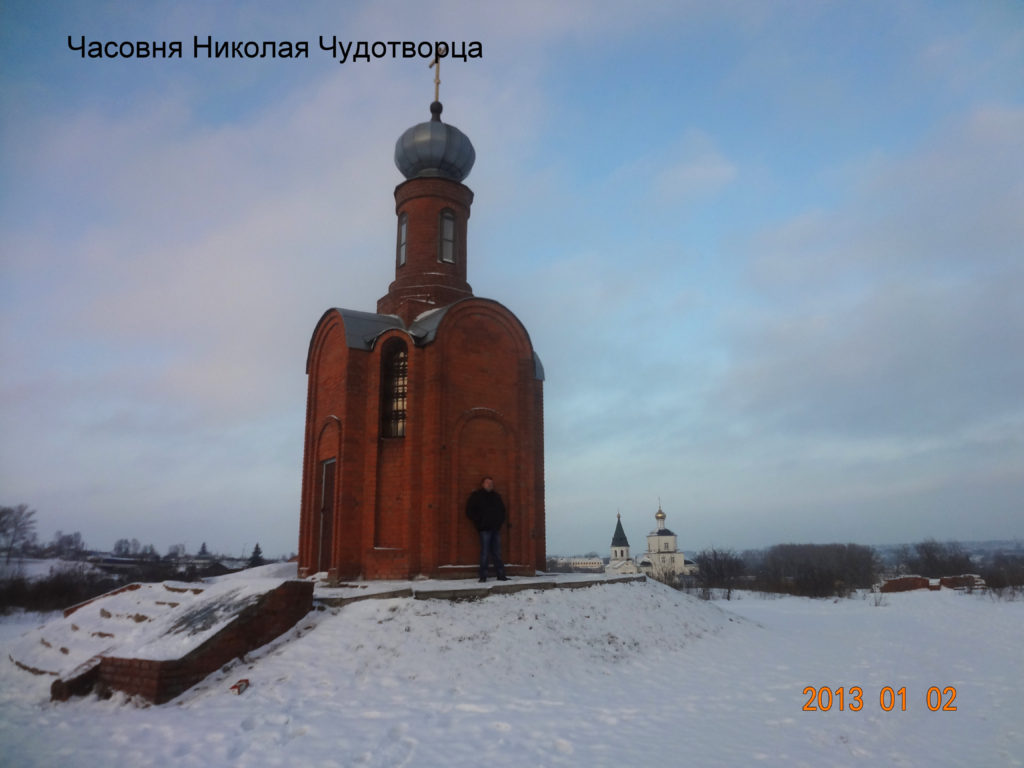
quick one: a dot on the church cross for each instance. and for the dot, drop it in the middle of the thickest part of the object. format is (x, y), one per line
(436, 63)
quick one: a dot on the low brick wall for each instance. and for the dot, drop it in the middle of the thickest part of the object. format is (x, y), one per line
(473, 571)
(964, 581)
(126, 588)
(159, 681)
(905, 584)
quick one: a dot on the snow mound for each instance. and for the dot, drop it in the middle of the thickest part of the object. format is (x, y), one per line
(503, 640)
(598, 625)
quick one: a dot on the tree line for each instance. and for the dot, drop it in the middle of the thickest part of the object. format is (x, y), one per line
(82, 574)
(826, 570)
(19, 539)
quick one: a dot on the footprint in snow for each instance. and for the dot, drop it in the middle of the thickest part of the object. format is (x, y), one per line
(479, 708)
(396, 751)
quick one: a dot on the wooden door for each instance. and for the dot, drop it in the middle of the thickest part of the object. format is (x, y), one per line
(326, 522)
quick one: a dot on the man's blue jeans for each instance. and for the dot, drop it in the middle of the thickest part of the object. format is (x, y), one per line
(490, 548)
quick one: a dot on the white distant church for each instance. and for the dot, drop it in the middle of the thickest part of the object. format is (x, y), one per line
(662, 560)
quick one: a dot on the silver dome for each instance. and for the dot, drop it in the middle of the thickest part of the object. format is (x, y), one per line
(434, 149)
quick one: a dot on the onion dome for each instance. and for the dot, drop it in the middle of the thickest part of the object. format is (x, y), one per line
(659, 515)
(434, 150)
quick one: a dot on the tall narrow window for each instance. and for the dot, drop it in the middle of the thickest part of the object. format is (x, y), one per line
(403, 230)
(447, 245)
(394, 395)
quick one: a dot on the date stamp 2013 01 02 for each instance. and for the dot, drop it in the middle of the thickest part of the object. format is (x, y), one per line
(823, 699)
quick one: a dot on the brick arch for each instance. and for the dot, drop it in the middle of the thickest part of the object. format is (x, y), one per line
(485, 357)
(486, 444)
(327, 350)
(323, 527)
(329, 437)
(493, 311)
(329, 321)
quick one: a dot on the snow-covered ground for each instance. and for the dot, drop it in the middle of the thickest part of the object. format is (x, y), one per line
(612, 675)
(32, 569)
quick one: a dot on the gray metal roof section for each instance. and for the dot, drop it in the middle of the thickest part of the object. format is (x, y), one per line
(363, 328)
(424, 326)
(538, 368)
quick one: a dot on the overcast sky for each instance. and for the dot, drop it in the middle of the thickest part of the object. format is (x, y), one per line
(771, 256)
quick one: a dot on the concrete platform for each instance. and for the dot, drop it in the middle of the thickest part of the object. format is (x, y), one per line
(457, 589)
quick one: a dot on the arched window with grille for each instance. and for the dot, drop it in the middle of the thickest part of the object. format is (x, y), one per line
(446, 246)
(394, 384)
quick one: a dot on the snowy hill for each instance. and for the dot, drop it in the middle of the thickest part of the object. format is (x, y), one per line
(619, 674)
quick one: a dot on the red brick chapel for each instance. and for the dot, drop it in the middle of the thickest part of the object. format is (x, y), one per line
(410, 406)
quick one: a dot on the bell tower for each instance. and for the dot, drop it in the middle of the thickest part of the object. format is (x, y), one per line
(620, 544)
(432, 206)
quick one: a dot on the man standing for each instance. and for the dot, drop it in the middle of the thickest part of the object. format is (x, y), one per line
(487, 511)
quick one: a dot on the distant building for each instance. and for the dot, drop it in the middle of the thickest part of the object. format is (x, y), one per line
(586, 563)
(620, 563)
(663, 559)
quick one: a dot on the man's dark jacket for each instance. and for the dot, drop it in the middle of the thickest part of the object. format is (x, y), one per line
(486, 509)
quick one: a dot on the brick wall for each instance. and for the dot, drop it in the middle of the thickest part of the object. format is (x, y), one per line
(159, 681)
(905, 584)
(475, 407)
(424, 282)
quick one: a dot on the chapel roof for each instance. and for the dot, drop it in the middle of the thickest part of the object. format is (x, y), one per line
(363, 328)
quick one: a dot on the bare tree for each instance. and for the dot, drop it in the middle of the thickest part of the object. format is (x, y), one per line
(17, 527)
(1004, 571)
(933, 559)
(68, 545)
(816, 570)
(718, 569)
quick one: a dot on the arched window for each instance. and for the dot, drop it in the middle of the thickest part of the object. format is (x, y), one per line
(394, 389)
(403, 232)
(446, 246)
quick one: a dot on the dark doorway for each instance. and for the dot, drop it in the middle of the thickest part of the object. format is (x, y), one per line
(326, 522)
